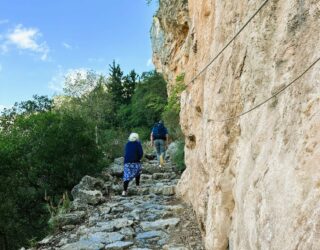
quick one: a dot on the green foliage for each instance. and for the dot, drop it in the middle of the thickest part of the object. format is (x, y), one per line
(171, 119)
(171, 116)
(172, 109)
(178, 157)
(120, 87)
(148, 101)
(46, 147)
(115, 84)
(129, 85)
(80, 83)
(32, 242)
(41, 152)
(118, 106)
(143, 132)
(38, 104)
(113, 141)
(62, 207)
(95, 108)
(174, 98)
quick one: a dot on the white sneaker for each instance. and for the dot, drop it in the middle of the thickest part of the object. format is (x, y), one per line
(124, 193)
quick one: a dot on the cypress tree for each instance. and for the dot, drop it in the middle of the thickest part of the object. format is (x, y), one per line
(115, 86)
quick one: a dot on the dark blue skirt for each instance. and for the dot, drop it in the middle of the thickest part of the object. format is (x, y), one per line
(131, 170)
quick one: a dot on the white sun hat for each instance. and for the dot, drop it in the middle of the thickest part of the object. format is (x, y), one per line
(133, 137)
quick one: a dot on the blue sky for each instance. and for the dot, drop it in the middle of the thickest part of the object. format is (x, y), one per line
(40, 41)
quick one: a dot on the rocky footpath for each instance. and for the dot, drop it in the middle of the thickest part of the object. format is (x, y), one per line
(150, 217)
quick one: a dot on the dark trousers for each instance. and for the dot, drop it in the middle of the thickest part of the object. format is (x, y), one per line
(126, 183)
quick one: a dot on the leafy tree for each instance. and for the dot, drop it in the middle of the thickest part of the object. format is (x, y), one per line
(7, 118)
(147, 102)
(80, 82)
(129, 85)
(96, 106)
(112, 142)
(47, 147)
(115, 86)
(36, 105)
(43, 152)
(98, 109)
(121, 87)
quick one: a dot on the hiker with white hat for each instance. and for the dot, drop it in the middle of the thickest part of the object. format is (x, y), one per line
(132, 165)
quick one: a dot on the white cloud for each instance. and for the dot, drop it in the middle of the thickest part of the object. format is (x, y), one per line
(27, 39)
(149, 63)
(4, 21)
(66, 45)
(24, 38)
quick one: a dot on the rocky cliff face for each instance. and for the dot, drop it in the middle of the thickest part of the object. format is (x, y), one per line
(253, 181)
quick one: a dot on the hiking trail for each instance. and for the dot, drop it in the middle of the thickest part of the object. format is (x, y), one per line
(150, 217)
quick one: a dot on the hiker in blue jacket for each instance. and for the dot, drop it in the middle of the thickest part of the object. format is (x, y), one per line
(132, 166)
(159, 139)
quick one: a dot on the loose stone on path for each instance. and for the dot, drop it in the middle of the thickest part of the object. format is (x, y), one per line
(149, 218)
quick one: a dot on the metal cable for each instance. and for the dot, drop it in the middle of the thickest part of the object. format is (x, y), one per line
(233, 38)
(274, 95)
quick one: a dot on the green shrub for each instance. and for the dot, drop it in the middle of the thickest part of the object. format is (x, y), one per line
(148, 101)
(48, 150)
(171, 120)
(178, 157)
(171, 114)
(33, 242)
(62, 207)
(113, 141)
(144, 133)
(41, 152)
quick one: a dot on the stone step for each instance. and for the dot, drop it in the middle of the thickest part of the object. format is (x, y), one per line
(158, 176)
(148, 218)
(148, 167)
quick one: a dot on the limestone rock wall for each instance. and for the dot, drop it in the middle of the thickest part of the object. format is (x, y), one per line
(253, 181)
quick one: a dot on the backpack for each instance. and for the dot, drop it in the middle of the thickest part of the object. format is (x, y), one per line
(159, 131)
